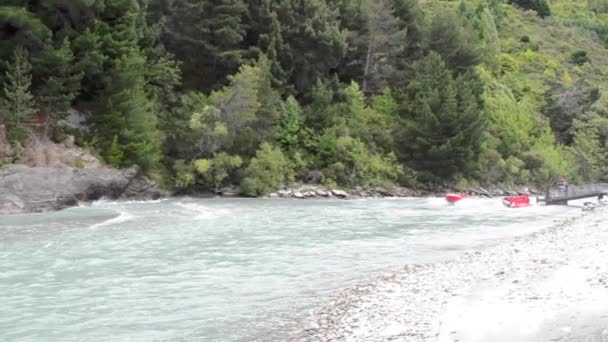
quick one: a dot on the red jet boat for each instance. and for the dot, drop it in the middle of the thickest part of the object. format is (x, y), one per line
(516, 201)
(453, 198)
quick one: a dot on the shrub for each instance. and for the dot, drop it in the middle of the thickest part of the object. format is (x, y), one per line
(114, 154)
(525, 39)
(79, 163)
(507, 64)
(579, 57)
(184, 174)
(355, 165)
(214, 172)
(265, 173)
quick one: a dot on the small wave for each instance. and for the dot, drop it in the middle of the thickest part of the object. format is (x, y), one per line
(202, 212)
(106, 202)
(123, 217)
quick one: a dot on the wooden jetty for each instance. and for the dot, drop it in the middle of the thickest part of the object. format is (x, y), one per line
(574, 192)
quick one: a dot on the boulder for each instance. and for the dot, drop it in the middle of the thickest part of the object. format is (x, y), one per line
(284, 193)
(298, 195)
(339, 193)
(322, 193)
(229, 191)
(37, 189)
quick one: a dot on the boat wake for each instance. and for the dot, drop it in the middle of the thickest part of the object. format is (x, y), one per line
(121, 218)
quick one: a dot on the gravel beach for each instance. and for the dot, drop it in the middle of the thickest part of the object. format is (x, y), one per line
(547, 286)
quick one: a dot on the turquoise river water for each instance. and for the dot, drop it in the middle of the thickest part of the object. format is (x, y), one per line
(231, 270)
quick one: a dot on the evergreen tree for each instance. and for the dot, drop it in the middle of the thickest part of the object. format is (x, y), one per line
(454, 41)
(384, 44)
(409, 14)
(314, 41)
(63, 81)
(289, 133)
(20, 27)
(490, 39)
(17, 104)
(441, 121)
(129, 115)
(207, 36)
(540, 6)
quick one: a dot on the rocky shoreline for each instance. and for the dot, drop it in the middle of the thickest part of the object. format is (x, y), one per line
(36, 189)
(317, 192)
(547, 286)
(25, 189)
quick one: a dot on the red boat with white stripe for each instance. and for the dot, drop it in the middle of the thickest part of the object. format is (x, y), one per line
(453, 198)
(520, 201)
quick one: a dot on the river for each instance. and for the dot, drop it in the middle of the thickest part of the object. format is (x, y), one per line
(229, 270)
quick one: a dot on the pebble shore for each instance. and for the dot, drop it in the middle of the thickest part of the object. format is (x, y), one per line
(547, 286)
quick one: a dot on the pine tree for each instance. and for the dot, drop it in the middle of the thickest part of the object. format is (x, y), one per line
(289, 131)
(441, 120)
(17, 104)
(63, 81)
(409, 14)
(207, 36)
(130, 115)
(385, 38)
(455, 42)
(490, 39)
(314, 42)
(540, 6)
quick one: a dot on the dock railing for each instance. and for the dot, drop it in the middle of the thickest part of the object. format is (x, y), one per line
(574, 192)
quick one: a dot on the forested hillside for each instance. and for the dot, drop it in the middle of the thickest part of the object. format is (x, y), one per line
(203, 94)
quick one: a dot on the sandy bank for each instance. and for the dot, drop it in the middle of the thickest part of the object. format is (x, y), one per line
(547, 286)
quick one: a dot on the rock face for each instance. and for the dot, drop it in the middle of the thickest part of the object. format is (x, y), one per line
(35, 189)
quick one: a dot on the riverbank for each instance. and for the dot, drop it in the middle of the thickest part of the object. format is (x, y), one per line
(547, 286)
(26, 189)
(318, 191)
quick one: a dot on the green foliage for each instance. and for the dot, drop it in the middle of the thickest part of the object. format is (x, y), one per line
(354, 165)
(17, 104)
(540, 6)
(207, 35)
(442, 122)
(579, 57)
(79, 163)
(507, 64)
(130, 115)
(455, 42)
(313, 42)
(63, 83)
(184, 174)
(590, 149)
(21, 28)
(114, 154)
(238, 116)
(265, 173)
(511, 121)
(354, 93)
(214, 172)
(290, 133)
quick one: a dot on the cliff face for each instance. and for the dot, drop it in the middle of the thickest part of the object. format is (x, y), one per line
(34, 189)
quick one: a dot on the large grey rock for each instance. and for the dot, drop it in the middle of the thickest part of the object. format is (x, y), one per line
(284, 193)
(339, 193)
(36, 189)
(229, 191)
(322, 193)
